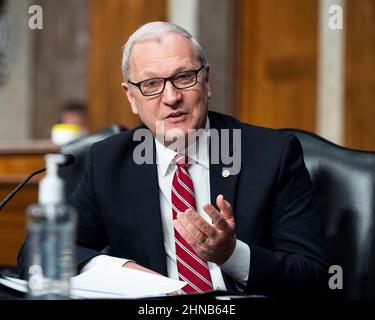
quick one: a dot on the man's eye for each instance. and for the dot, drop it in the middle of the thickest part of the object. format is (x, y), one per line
(184, 76)
(152, 83)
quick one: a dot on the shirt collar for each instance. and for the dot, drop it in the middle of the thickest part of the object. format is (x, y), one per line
(197, 151)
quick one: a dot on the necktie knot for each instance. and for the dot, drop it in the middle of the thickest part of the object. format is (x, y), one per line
(182, 160)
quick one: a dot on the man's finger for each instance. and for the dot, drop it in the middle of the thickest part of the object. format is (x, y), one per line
(224, 207)
(200, 223)
(192, 223)
(217, 218)
(181, 230)
(189, 239)
(132, 265)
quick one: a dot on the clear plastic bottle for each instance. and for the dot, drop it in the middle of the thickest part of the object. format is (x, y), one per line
(51, 226)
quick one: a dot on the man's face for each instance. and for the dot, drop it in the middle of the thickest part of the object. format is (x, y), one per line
(74, 117)
(181, 109)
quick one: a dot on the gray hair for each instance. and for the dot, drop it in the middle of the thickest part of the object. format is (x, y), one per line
(156, 30)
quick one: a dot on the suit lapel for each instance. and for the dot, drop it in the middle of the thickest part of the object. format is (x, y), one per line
(220, 185)
(221, 179)
(221, 182)
(146, 203)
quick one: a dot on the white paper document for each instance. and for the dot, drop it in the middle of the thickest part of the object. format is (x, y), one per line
(14, 283)
(125, 282)
(111, 283)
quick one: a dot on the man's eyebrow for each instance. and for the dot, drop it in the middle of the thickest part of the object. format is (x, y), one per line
(152, 74)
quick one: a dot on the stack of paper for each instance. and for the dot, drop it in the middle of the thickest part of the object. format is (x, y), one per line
(102, 283)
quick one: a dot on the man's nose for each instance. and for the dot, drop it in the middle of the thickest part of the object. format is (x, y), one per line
(171, 96)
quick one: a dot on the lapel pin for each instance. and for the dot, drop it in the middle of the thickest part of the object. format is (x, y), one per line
(225, 173)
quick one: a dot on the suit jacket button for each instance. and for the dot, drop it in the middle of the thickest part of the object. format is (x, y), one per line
(225, 173)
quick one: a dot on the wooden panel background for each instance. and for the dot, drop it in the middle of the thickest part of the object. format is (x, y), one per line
(360, 74)
(16, 163)
(217, 30)
(111, 23)
(59, 64)
(277, 63)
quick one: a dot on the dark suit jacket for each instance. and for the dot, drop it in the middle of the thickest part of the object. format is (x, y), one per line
(272, 198)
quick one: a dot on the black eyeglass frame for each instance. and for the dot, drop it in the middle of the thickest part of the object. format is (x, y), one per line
(138, 84)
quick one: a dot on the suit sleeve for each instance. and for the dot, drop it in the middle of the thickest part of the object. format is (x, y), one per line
(91, 236)
(295, 265)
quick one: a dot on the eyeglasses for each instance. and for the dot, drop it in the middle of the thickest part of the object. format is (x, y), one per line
(181, 80)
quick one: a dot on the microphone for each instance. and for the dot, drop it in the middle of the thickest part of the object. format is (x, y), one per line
(68, 160)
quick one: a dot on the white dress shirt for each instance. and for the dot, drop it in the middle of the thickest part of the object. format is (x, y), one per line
(238, 264)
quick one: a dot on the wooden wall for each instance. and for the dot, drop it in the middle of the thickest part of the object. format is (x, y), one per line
(277, 57)
(217, 28)
(111, 23)
(59, 59)
(360, 74)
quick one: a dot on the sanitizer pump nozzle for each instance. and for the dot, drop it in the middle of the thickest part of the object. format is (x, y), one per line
(51, 187)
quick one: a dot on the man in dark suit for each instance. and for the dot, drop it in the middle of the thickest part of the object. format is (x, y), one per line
(264, 235)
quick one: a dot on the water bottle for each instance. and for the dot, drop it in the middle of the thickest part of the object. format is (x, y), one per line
(51, 226)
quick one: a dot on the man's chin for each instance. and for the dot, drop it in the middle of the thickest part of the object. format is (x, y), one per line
(175, 132)
(177, 139)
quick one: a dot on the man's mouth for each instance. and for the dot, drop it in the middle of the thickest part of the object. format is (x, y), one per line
(177, 117)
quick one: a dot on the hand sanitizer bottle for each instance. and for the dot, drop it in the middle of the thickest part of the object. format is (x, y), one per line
(51, 226)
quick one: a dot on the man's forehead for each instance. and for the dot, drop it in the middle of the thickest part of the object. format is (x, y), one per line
(171, 47)
(161, 38)
(168, 43)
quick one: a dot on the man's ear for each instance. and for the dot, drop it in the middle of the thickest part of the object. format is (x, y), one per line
(130, 97)
(207, 80)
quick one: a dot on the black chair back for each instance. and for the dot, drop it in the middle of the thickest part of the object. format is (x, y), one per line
(345, 188)
(80, 150)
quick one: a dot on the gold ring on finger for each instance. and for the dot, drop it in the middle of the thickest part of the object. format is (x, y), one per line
(202, 240)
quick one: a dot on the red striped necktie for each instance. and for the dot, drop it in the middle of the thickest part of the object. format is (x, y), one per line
(191, 268)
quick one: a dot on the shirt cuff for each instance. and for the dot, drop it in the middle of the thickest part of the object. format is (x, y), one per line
(238, 264)
(104, 260)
